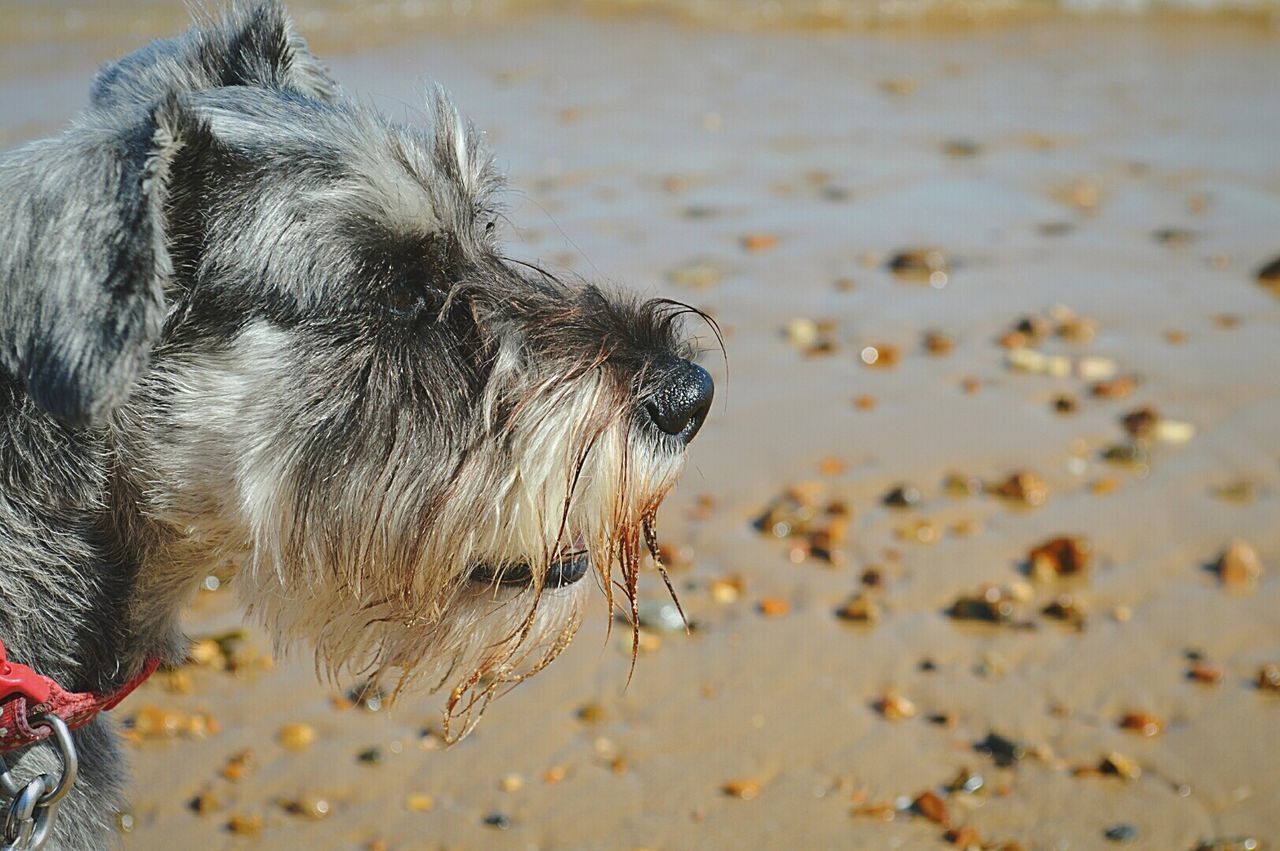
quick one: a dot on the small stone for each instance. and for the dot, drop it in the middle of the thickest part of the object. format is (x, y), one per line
(1062, 557)
(1269, 678)
(1205, 673)
(880, 355)
(245, 825)
(938, 343)
(1065, 404)
(1115, 388)
(1096, 369)
(1173, 237)
(1120, 765)
(1142, 723)
(756, 242)
(893, 706)
(1125, 454)
(512, 782)
(1174, 431)
(555, 774)
(1025, 488)
(961, 485)
(1140, 422)
(774, 607)
(967, 782)
(591, 713)
(1065, 608)
(859, 609)
(727, 589)
(498, 820)
(902, 496)
(966, 837)
(125, 822)
(296, 737)
(742, 789)
(923, 265)
(372, 756)
(932, 807)
(865, 403)
(311, 807)
(1123, 832)
(989, 604)
(1234, 843)
(238, 766)
(1005, 752)
(419, 802)
(1239, 565)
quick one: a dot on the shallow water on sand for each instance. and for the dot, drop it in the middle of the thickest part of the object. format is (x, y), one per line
(1124, 169)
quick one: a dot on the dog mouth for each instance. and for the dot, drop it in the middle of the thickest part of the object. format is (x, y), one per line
(568, 568)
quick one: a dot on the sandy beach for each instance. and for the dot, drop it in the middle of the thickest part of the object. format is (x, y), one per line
(942, 258)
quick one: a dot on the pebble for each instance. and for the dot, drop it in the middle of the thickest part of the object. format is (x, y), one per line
(245, 825)
(1005, 752)
(311, 807)
(893, 706)
(1065, 556)
(966, 837)
(512, 782)
(932, 807)
(902, 496)
(742, 789)
(1115, 388)
(1066, 609)
(1142, 723)
(1120, 766)
(1096, 368)
(296, 737)
(1204, 672)
(756, 242)
(1038, 363)
(880, 355)
(859, 609)
(990, 604)
(498, 820)
(1239, 565)
(1123, 832)
(921, 265)
(774, 607)
(1269, 678)
(1234, 843)
(938, 343)
(1023, 487)
(419, 802)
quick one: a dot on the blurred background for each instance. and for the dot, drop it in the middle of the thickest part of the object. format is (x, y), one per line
(980, 543)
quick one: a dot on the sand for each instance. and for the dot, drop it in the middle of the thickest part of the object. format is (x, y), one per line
(639, 148)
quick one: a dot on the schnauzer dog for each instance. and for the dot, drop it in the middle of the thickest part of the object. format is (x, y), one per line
(247, 324)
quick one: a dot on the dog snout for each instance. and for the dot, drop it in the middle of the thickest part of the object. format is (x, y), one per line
(681, 399)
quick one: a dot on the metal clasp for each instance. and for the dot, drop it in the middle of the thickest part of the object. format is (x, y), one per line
(28, 818)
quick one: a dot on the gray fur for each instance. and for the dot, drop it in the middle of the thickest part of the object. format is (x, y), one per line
(246, 322)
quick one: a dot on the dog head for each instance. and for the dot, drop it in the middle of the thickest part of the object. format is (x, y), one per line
(295, 320)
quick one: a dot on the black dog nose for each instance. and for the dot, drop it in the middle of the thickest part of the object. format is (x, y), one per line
(681, 400)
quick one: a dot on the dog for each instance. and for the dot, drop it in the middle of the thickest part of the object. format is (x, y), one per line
(249, 324)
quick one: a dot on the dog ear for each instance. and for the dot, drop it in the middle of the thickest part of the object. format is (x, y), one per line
(83, 257)
(254, 45)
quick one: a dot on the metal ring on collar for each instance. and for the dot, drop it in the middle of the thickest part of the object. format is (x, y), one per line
(67, 749)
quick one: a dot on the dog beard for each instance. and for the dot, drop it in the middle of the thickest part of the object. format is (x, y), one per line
(456, 588)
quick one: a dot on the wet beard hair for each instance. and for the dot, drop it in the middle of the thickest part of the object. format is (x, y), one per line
(384, 597)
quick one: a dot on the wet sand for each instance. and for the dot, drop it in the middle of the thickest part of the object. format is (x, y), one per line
(658, 149)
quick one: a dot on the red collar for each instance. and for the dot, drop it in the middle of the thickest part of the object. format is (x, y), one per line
(24, 693)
